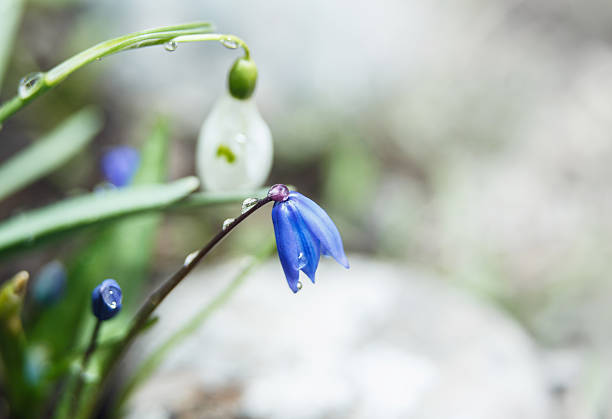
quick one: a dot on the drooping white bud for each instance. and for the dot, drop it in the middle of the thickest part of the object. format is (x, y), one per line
(235, 147)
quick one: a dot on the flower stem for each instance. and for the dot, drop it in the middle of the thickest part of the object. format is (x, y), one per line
(154, 360)
(78, 388)
(154, 300)
(190, 32)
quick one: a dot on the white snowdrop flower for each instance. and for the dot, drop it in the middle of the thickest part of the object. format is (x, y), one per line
(235, 144)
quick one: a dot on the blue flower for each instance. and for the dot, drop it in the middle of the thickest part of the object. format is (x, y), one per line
(106, 299)
(303, 232)
(50, 283)
(120, 164)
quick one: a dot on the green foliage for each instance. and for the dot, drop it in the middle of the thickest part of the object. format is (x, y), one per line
(50, 152)
(10, 14)
(120, 225)
(12, 341)
(28, 227)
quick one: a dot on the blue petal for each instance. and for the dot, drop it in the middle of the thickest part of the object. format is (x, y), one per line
(308, 245)
(321, 227)
(286, 243)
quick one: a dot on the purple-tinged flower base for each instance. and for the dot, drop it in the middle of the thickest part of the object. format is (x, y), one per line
(278, 192)
(120, 164)
(303, 232)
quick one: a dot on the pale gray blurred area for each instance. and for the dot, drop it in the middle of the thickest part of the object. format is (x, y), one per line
(482, 131)
(379, 340)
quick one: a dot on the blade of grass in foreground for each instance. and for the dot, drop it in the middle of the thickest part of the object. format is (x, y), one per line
(50, 152)
(92, 208)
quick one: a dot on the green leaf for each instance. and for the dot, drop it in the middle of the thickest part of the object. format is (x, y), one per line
(50, 152)
(10, 16)
(93, 208)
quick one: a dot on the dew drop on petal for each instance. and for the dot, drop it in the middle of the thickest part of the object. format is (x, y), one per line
(30, 84)
(227, 223)
(170, 46)
(229, 43)
(241, 138)
(189, 258)
(113, 304)
(247, 204)
(299, 285)
(301, 260)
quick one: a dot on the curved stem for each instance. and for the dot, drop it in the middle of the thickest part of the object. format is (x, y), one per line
(39, 83)
(78, 389)
(154, 300)
(229, 41)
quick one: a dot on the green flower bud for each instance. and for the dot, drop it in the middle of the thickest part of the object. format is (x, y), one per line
(242, 78)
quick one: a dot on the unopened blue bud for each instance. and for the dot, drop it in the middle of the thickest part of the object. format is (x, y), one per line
(50, 283)
(106, 299)
(120, 164)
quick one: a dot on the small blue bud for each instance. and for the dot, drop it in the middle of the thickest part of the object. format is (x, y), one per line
(50, 283)
(119, 165)
(106, 299)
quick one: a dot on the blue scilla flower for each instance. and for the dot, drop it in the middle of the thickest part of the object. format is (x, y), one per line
(50, 283)
(106, 299)
(119, 165)
(303, 232)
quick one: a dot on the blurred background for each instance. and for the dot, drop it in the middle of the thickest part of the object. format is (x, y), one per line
(462, 148)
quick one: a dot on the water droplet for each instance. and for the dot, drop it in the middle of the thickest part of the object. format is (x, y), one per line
(170, 46)
(111, 292)
(30, 84)
(189, 258)
(98, 59)
(299, 285)
(241, 138)
(301, 260)
(227, 223)
(229, 43)
(113, 304)
(247, 204)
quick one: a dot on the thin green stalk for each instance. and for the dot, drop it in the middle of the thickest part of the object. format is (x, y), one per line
(36, 84)
(80, 380)
(153, 361)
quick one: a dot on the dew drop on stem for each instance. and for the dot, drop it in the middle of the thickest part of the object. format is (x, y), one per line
(30, 84)
(247, 204)
(229, 43)
(227, 223)
(189, 258)
(170, 46)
